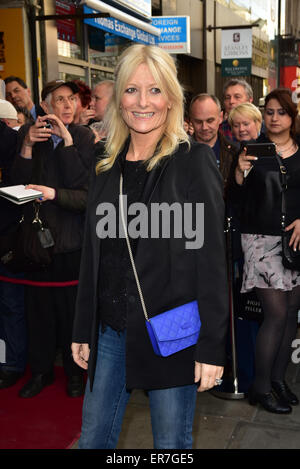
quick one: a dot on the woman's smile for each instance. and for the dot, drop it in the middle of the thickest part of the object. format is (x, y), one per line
(144, 107)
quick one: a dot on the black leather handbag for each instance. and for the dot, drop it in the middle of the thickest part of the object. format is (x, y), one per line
(30, 247)
(290, 258)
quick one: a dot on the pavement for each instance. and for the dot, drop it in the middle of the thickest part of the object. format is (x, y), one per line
(221, 423)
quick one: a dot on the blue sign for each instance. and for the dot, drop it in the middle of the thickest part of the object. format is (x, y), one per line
(120, 28)
(174, 33)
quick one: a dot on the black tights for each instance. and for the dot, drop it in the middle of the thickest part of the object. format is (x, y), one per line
(274, 338)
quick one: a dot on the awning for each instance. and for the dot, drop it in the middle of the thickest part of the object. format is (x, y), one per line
(120, 23)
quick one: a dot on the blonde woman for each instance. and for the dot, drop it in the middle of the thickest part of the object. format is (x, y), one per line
(146, 142)
(245, 121)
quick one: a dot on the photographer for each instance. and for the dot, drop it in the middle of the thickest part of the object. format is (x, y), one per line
(54, 157)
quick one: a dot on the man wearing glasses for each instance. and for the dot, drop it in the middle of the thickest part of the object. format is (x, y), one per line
(55, 157)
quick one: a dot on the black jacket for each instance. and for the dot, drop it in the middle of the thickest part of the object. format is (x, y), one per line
(170, 274)
(228, 152)
(67, 170)
(258, 199)
(10, 213)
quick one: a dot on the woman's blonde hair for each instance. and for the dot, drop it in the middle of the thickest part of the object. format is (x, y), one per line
(248, 110)
(163, 69)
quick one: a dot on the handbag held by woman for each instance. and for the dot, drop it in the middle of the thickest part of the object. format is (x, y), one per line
(290, 257)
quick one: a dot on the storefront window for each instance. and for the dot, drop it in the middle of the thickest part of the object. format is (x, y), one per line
(67, 49)
(105, 48)
(100, 75)
(65, 76)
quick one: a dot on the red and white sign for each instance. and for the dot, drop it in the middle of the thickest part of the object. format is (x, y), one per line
(66, 29)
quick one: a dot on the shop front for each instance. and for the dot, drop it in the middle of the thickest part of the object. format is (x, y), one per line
(88, 47)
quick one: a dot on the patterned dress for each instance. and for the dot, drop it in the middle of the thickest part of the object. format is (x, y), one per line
(263, 264)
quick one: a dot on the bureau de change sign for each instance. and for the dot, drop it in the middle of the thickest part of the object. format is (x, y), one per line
(174, 33)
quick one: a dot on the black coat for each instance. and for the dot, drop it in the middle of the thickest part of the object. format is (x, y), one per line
(258, 199)
(170, 275)
(10, 213)
(67, 170)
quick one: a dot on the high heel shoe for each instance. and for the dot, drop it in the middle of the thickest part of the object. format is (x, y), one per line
(284, 393)
(269, 403)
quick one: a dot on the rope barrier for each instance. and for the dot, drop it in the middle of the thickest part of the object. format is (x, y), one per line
(33, 283)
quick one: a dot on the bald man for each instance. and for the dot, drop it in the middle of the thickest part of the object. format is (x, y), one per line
(206, 116)
(101, 95)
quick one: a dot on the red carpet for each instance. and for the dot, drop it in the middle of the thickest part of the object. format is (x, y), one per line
(51, 420)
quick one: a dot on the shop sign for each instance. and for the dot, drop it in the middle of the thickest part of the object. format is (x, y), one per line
(120, 28)
(236, 54)
(174, 33)
(143, 7)
(66, 29)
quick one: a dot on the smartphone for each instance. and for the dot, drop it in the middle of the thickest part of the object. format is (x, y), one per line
(261, 149)
(47, 125)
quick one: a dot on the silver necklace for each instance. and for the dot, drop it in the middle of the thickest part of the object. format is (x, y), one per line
(283, 150)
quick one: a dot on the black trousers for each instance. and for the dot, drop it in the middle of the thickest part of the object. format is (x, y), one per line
(50, 314)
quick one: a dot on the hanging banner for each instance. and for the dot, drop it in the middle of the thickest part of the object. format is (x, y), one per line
(236, 54)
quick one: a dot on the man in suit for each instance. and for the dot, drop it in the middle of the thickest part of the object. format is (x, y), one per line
(18, 93)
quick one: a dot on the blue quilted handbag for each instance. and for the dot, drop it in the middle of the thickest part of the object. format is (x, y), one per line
(172, 330)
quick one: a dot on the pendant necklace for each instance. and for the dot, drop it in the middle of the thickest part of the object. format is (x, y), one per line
(283, 150)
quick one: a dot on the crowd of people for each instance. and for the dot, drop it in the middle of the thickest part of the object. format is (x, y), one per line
(80, 147)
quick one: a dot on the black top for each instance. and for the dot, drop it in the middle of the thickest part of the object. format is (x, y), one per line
(260, 195)
(114, 256)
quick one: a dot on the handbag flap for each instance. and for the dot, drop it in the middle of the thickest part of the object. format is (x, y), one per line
(177, 323)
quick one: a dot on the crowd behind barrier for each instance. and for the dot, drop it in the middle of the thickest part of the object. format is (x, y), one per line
(53, 146)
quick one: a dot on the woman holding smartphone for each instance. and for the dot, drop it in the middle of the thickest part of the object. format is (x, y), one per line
(257, 185)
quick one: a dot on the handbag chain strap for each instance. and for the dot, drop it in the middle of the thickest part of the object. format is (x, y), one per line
(130, 251)
(283, 180)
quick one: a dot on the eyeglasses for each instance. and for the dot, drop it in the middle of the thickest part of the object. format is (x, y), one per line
(65, 99)
(271, 112)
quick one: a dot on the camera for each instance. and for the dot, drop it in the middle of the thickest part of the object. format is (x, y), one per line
(47, 125)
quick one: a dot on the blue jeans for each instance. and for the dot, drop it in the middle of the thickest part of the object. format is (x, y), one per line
(172, 409)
